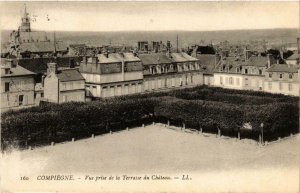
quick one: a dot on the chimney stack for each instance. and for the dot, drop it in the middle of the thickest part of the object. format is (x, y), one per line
(95, 59)
(52, 67)
(269, 60)
(298, 45)
(106, 53)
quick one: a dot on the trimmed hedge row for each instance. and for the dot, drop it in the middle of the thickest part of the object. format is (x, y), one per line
(209, 108)
(279, 117)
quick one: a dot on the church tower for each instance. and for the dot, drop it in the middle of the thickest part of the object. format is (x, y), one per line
(25, 25)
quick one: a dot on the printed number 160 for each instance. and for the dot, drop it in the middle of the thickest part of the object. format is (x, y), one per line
(24, 178)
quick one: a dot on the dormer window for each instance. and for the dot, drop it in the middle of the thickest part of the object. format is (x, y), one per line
(270, 75)
(237, 69)
(246, 71)
(280, 75)
(290, 76)
(260, 72)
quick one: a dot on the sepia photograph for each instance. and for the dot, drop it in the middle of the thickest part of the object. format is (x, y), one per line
(150, 96)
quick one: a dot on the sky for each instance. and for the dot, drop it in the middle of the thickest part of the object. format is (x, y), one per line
(152, 16)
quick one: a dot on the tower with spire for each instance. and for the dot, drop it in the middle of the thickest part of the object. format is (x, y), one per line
(25, 25)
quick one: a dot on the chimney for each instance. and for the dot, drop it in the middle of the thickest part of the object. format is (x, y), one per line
(169, 54)
(106, 53)
(281, 54)
(72, 63)
(298, 45)
(134, 52)
(52, 67)
(95, 59)
(269, 60)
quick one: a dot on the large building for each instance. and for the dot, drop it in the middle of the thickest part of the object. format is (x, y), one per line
(113, 74)
(63, 85)
(228, 74)
(26, 42)
(170, 70)
(17, 86)
(282, 78)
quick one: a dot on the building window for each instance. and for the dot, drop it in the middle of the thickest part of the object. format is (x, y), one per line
(270, 85)
(221, 80)
(280, 86)
(64, 99)
(21, 99)
(42, 94)
(246, 81)
(231, 80)
(290, 87)
(21, 84)
(237, 81)
(34, 95)
(270, 75)
(6, 87)
(260, 72)
(237, 69)
(280, 75)
(290, 76)
(246, 71)
(7, 71)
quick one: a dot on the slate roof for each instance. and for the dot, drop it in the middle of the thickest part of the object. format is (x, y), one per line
(112, 58)
(16, 71)
(258, 61)
(207, 62)
(182, 57)
(282, 68)
(232, 62)
(128, 57)
(42, 47)
(295, 56)
(39, 65)
(155, 58)
(69, 75)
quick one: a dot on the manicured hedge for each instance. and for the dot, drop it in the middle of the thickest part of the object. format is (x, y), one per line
(208, 108)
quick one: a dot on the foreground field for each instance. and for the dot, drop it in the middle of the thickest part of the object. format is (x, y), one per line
(158, 150)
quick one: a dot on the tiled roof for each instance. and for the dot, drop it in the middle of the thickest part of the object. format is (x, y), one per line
(182, 57)
(295, 56)
(42, 47)
(17, 71)
(39, 65)
(69, 75)
(155, 58)
(128, 57)
(282, 68)
(112, 58)
(231, 62)
(258, 61)
(207, 62)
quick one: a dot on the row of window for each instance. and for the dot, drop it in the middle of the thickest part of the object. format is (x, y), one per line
(229, 80)
(281, 75)
(21, 84)
(72, 85)
(290, 86)
(254, 71)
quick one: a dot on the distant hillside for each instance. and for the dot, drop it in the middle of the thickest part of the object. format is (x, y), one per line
(186, 38)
